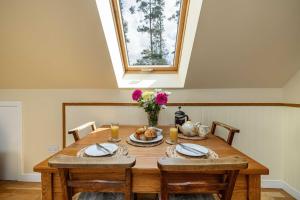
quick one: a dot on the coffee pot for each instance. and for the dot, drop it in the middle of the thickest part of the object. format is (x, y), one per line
(180, 117)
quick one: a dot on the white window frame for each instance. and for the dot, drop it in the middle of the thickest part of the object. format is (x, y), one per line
(149, 79)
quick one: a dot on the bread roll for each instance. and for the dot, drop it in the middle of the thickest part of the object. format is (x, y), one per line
(140, 131)
(139, 134)
(150, 134)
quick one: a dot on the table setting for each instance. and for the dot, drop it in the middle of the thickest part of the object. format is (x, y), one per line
(182, 138)
(151, 135)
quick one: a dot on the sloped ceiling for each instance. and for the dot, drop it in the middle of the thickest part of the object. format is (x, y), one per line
(246, 43)
(60, 44)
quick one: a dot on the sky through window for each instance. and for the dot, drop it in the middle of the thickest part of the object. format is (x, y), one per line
(150, 29)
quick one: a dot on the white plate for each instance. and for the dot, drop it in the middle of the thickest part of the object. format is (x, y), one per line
(192, 153)
(94, 150)
(157, 139)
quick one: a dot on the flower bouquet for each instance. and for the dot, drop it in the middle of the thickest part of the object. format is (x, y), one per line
(152, 102)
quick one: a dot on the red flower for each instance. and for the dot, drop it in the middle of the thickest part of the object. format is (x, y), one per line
(161, 98)
(136, 95)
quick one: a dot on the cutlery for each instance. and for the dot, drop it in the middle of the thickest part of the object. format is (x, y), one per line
(191, 149)
(104, 148)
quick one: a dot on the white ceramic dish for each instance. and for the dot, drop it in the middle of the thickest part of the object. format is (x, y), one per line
(94, 150)
(187, 152)
(157, 139)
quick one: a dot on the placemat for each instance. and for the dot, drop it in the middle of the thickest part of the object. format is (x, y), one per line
(113, 140)
(172, 153)
(122, 151)
(169, 141)
(180, 135)
(144, 144)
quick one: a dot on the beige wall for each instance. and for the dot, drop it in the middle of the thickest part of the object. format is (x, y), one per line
(53, 44)
(42, 110)
(60, 44)
(292, 133)
(241, 43)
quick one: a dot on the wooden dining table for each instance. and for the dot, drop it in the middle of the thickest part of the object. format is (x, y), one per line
(146, 175)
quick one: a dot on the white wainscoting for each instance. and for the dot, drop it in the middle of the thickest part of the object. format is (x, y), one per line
(261, 127)
(291, 149)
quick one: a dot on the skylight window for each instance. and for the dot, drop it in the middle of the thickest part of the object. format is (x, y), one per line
(150, 33)
(150, 59)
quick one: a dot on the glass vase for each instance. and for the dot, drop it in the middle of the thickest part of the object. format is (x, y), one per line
(153, 118)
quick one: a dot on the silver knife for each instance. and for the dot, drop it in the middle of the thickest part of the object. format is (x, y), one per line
(104, 148)
(191, 149)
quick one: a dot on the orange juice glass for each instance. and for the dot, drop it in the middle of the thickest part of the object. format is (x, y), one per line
(114, 131)
(173, 134)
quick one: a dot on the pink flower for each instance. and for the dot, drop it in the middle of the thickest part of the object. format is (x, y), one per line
(136, 95)
(161, 98)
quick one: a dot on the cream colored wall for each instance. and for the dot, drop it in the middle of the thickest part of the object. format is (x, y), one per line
(246, 44)
(60, 44)
(291, 133)
(291, 141)
(42, 124)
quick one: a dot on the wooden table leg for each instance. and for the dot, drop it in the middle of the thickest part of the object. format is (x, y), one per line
(254, 187)
(47, 191)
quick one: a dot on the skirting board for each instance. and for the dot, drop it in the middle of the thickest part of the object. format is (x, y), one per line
(30, 177)
(282, 185)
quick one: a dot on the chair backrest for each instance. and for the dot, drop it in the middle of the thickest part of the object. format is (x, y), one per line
(189, 176)
(231, 131)
(81, 174)
(75, 131)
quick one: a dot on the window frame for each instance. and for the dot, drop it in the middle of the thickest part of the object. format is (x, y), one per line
(116, 11)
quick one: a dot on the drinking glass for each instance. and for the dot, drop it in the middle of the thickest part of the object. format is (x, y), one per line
(114, 131)
(173, 134)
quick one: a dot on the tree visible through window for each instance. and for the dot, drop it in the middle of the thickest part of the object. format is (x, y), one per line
(149, 32)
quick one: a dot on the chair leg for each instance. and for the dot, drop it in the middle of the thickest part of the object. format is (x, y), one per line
(163, 188)
(128, 182)
(157, 197)
(164, 196)
(128, 196)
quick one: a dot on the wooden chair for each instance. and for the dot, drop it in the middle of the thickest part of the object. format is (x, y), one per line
(75, 131)
(95, 178)
(231, 131)
(189, 179)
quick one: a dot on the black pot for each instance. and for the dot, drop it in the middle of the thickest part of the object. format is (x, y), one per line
(180, 117)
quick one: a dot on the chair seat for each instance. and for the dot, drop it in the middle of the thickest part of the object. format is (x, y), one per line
(192, 197)
(98, 196)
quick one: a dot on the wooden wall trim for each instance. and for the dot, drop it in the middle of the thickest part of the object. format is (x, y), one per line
(65, 104)
(172, 104)
(295, 105)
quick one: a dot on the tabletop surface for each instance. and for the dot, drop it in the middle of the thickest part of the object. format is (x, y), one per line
(146, 157)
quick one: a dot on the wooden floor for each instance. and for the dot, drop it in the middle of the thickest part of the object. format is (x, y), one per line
(12, 190)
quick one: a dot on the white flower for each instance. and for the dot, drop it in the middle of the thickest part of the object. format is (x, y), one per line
(163, 106)
(168, 93)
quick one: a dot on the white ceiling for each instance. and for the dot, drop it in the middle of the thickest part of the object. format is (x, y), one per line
(60, 44)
